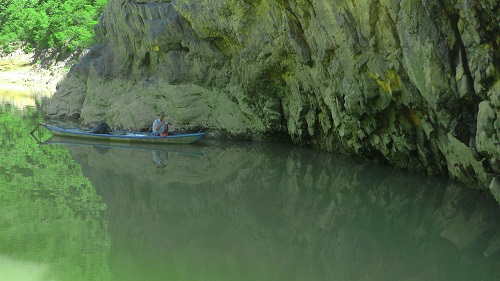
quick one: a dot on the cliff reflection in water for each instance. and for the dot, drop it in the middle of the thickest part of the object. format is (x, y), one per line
(239, 211)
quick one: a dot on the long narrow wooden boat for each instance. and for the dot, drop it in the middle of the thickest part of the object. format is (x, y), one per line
(123, 136)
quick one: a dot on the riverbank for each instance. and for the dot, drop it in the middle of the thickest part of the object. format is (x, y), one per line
(20, 70)
(27, 77)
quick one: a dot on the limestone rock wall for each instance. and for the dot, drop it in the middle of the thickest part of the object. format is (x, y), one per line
(409, 82)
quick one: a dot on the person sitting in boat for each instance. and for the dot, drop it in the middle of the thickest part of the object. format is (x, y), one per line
(160, 126)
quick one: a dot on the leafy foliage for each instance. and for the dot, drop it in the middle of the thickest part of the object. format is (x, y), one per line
(66, 25)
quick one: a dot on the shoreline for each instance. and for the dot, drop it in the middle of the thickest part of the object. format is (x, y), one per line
(24, 82)
(20, 72)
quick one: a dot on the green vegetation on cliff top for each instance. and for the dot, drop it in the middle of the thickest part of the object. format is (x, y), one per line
(65, 25)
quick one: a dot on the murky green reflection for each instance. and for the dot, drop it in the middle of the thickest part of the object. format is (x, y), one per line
(244, 211)
(238, 211)
(53, 225)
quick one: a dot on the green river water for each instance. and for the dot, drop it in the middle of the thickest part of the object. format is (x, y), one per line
(224, 211)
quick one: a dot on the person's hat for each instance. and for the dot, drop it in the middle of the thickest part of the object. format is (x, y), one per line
(161, 114)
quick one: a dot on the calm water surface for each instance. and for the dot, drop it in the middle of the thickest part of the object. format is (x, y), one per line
(229, 211)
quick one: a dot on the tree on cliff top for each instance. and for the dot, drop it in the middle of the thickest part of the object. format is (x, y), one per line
(41, 24)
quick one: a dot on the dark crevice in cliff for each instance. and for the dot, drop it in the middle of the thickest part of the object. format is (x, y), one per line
(454, 58)
(297, 34)
(147, 60)
(463, 127)
(459, 45)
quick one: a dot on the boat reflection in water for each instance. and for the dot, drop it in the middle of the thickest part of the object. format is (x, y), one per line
(241, 211)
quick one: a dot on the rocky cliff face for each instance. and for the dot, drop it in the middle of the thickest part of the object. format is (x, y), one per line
(412, 83)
